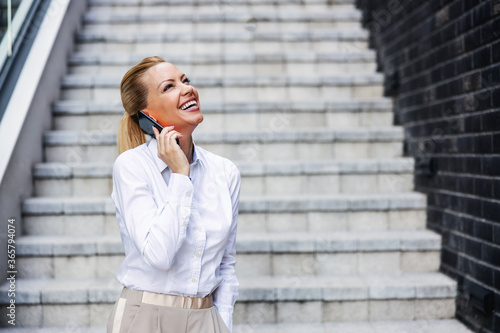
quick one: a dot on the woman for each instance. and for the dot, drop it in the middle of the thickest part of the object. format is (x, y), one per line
(177, 209)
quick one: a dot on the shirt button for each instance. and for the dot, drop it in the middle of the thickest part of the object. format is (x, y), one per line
(197, 254)
(188, 194)
(185, 223)
(194, 280)
(200, 229)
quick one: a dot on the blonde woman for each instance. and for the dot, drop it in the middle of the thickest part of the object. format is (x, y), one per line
(177, 209)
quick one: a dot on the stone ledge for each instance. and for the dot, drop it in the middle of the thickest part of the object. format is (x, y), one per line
(248, 243)
(75, 107)
(313, 135)
(119, 59)
(263, 204)
(333, 167)
(211, 2)
(228, 36)
(414, 326)
(156, 14)
(74, 81)
(254, 289)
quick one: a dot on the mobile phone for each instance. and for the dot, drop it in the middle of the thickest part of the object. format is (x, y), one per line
(146, 123)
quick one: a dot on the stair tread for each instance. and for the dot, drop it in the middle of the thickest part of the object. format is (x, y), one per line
(89, 107)
(357, 166)
(348, 79)
(151, 14)
(303, 135)
(256, 288)
(94, 58)
(258, 203)
(250, 242)
(415, 326)
(226, 36)
(127, 3)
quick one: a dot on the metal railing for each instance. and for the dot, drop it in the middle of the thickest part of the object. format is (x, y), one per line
(18, 29)
(12, 15)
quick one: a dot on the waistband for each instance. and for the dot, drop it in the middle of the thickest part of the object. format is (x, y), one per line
(182, 302)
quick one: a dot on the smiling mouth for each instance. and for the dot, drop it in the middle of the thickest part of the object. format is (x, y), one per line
(189, 105)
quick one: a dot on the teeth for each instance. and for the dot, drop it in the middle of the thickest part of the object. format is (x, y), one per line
(188, 104)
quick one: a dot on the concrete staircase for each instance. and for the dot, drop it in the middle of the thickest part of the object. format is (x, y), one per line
(331, 235)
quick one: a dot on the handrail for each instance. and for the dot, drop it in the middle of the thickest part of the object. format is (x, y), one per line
(15, 42)
(9, 27)
(14, 25)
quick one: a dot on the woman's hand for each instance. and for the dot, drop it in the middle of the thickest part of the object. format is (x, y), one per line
(170, 152)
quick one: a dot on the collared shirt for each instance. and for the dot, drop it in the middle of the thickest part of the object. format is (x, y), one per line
(178, 232)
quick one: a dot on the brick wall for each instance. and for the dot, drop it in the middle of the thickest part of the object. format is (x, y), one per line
(441, 61)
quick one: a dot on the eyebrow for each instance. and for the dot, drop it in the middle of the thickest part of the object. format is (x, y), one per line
(182, 76)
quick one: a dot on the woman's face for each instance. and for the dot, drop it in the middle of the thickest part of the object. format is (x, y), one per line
(172, 101)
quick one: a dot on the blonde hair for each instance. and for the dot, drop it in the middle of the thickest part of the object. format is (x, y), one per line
(134, 94)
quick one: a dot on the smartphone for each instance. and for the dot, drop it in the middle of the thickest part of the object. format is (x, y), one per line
(146, 123)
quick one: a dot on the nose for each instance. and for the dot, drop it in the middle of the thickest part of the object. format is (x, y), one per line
(188, 89)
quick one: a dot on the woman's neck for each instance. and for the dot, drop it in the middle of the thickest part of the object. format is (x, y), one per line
(186, 143)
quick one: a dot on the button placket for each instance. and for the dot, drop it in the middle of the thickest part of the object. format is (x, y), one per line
(196, 260)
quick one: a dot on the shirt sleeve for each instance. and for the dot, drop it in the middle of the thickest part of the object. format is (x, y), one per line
(226, 294)
(156, 228)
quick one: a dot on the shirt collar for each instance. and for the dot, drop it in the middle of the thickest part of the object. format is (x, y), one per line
(153, 148)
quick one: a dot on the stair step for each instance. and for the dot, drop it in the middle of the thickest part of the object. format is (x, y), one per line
(265, 145)
(79, 115)
(213, 45)
(328, 177)
(290, 242)
(275, 66)
(97, 224)
(117, 59)
(87, 107)
(240, 89)
(260, 204)
(127, 3)
(414, 326)
(105, 35)
(86, 81)
(295, 253)
(276, 168)
(275, 299)
(150, 18)
(96, 215)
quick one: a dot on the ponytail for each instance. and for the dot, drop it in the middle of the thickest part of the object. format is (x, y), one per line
(130, 135)
(134, 94)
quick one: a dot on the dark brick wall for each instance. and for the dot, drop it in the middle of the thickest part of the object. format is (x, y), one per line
(441, 61)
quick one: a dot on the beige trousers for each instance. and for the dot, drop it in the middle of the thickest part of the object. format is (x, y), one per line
(143, 312)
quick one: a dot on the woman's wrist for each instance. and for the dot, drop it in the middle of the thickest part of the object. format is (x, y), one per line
(183, 171)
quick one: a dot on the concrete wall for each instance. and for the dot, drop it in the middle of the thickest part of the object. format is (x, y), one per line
(17, 183)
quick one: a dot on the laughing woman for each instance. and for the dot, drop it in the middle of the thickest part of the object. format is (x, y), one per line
(177, 210)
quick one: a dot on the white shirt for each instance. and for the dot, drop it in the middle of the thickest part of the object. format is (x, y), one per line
(178, 232)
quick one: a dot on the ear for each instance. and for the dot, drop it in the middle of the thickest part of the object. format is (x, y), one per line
(146, 111)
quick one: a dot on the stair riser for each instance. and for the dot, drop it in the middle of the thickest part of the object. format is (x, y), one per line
(96, 314)
(244, 94)
(217, 70)
(221, 4)
(98, 225)
(201, 25)
(259, 264)
(222, 122)
(299, 184)
(217, 48)
(243, 151)
(287, 8)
